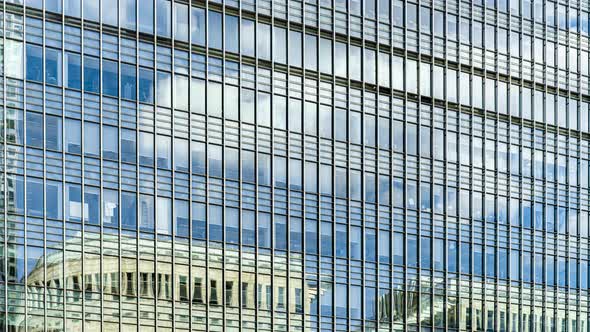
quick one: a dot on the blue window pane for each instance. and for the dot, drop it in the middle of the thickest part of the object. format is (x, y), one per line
(53, 133)
(92, 205)
(215, 223)
(35, 129)
(215, 30)
(73, 132)
(453, 256)
(128, 82)
(248, 228)
(91, 139)
(264, 230)
(73, 73)
(164, 18)
(370, 245)
(110, 142)
(198, 26)
(110, 212)
(199, 220)
(91, 74)
(181, 218)
(356, 243)
(91, 10)
(35, 197)
(164, 215)
(232, 34)
(128, 210)
(146, 213)
(53, 68)
(110, 78)
(146, 85)
(146, 16)
(53, 197)
(280, 230)
(110, 12)
(73, 202)
(232, 229)
(72, 8)
(128, 13)
(34, 63)
(311, 237)
(326, 239)
(128, 146)
(296, 235)
(198, 157)
(164, 89)
(215, 160)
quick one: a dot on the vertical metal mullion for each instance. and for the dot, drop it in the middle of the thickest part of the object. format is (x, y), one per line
(155, 278)
(82, 162)
(190, 282)
(4, 165)
(26, 219)
(63, 165)
(303, 163)
(288, 146)
(207, 171)
(119, 177)
(101, 282)
(44, 114)
(173, 175)
(137, 170)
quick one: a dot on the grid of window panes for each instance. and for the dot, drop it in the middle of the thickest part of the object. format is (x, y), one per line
(288, 165)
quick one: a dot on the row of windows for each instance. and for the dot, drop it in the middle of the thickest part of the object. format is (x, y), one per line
(246, 105)
(49, 199)
(270, 43)
(560, 15)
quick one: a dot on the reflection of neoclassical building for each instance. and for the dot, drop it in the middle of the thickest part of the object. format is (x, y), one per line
(142, 283)
(213, 296)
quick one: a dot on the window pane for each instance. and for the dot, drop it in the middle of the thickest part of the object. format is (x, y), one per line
(92, 205)
(164, 19)
(146, 213)
(91, 74)
(164, 219)
(53, 133)
(110, 137)
(128, 82)
(127, 16)
(53, 194)
(35, 129)
(73, 74)
(146, 85)
(232, 33)
(263, 38)
(34, 63)
(146, 17)
(164, 152)
(164, 89)
(91, 139)
(181, 22)
(110, 78)
(73, 136)
(198, 26)
(91, 10)
(34, 197)
(110, 12)
(215, 30)
(128, 210)
(13, 59)
(110, 217)
(72, 8)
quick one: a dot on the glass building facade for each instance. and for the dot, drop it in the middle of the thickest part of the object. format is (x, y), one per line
(294, 165)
